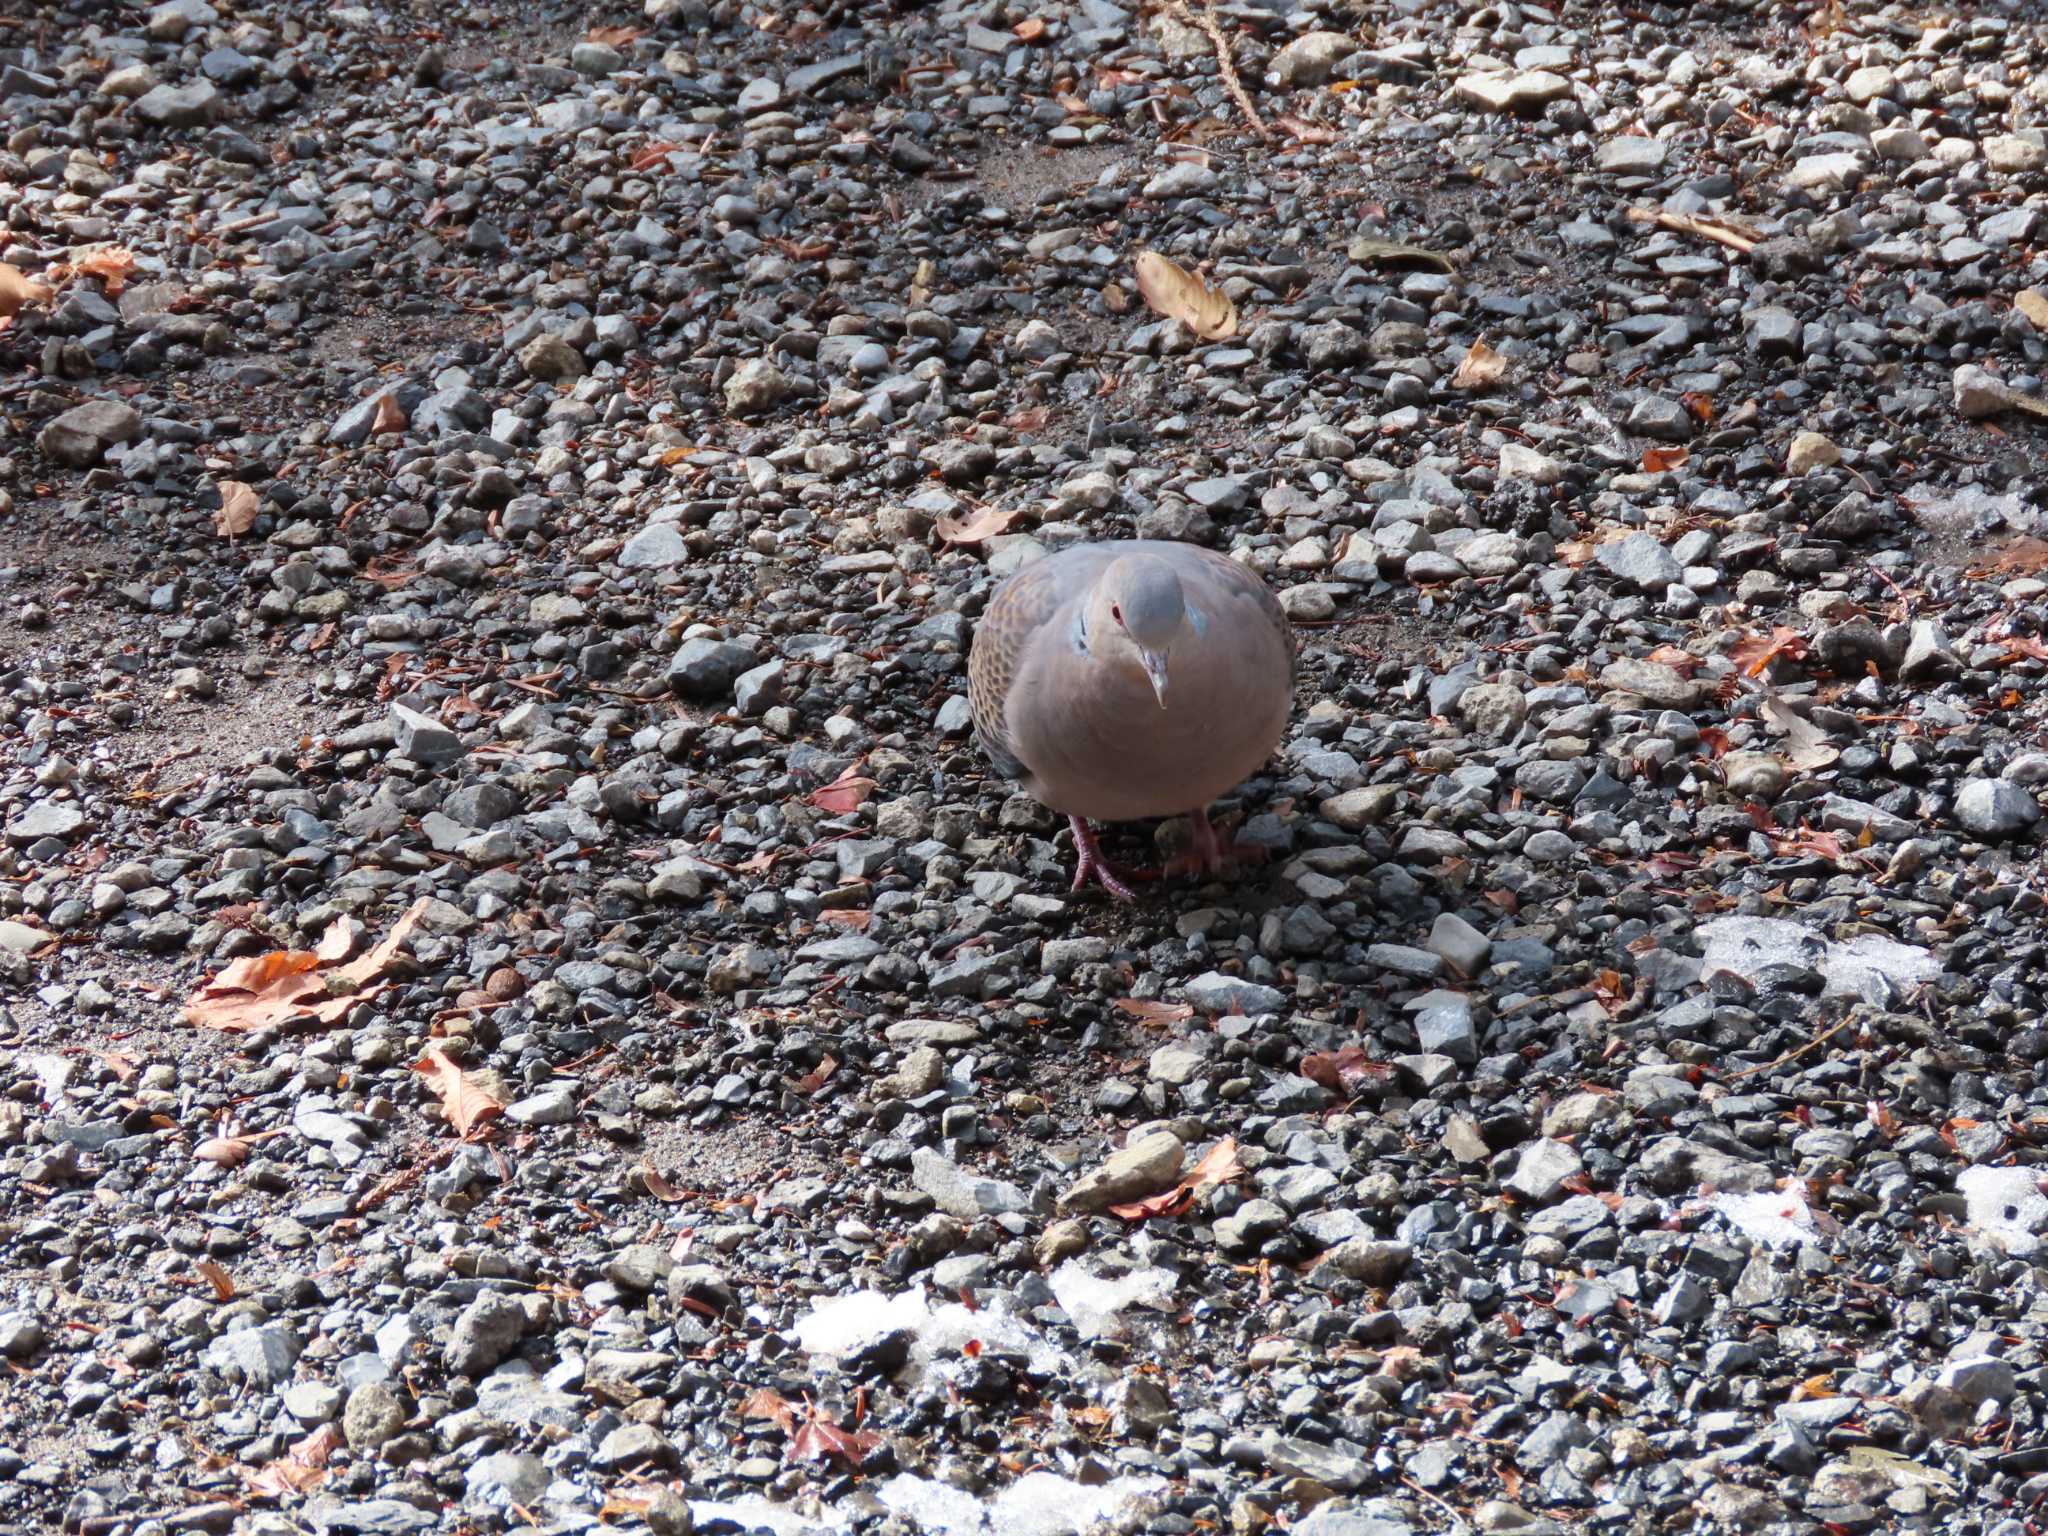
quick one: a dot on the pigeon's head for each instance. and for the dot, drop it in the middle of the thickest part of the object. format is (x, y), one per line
(1139, 613)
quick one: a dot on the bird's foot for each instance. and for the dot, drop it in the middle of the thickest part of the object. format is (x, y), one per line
(1209, 854)
(1089, 864)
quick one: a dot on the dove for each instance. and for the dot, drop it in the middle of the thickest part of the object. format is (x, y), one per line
(1131, 679)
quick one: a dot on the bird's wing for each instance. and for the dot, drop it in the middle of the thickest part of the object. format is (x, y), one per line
(1021, 611)
(1239, 598)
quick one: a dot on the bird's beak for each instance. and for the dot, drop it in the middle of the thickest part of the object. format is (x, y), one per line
(1155, 670)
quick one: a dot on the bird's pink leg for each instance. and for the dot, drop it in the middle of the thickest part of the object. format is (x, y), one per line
(1090, 864)
(1209, 854)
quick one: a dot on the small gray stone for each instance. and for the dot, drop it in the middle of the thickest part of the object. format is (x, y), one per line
(703, 668)
(1463, 947)
(1632, 155)
(1995, 809)
(1374, 1260)
(1309, 59)
(635, 1446)
(1929, 654)
(422, 739)
(374, 1415)
(259, 1357)
(82, 436)
(1143, 1167)
(957, 1192)
(488, 1330)
(1215, 993)
(1541, 1170)
(59, 819)
(505, 1478)
(180, 106)
(756, 386)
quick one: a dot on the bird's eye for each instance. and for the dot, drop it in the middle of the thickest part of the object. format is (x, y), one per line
(1116, 612)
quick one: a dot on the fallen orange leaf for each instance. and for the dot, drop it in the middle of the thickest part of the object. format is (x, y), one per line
(466, 1103)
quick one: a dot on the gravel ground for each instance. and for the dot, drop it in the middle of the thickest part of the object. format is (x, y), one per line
(525, 1012)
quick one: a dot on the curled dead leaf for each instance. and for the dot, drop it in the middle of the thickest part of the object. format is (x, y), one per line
(1367, 251)
(656, 1185)
(1152, 1012)
(1346, 1071)
(653, 155)
(375, 963)
(111, 264)
(237, 514)
(843, 794)
(301, 1468)
(465, 1102)
(1173, 291)
(223, 1151)
(1219, 1165)
(389, 416)
(222, 1282)
(982, 523)
(1807, 747)
(767, 1403)
(1480, 368)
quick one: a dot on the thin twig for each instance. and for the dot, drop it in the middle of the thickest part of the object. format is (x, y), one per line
(1720, 231)
(1207, 23)
(1820, 1039)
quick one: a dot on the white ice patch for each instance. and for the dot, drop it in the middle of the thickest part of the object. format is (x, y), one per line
(1093, 1301)
(847, 1325)
(1777, 1218)
(2006, 1205)
(1037, 1504)
(1745, 945)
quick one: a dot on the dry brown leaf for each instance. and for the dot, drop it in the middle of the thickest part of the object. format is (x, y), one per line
(465, 1102)
(112, 265)
(373, 965)
(1346, 1071)
(1219, 1165)
(816, 1078)
(1152, 1012)
(820, 1437)
(389, 417)
(1305, 132)
(1657, 460)
(237, 514)
(1029, 30)
(1806, 746)
(843, 794)
(1756, 653)
(653, 155)
(1480, 368)
(223, 1151)
(2032, 303)
(767, 1403)
(1368, 251)
(658, 1186)
(17, 291)
(1173, 291)
(615, 37)
(256, 991)
(304, 1466)
(983, 523)
(2025, 556)
(222, 1282)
